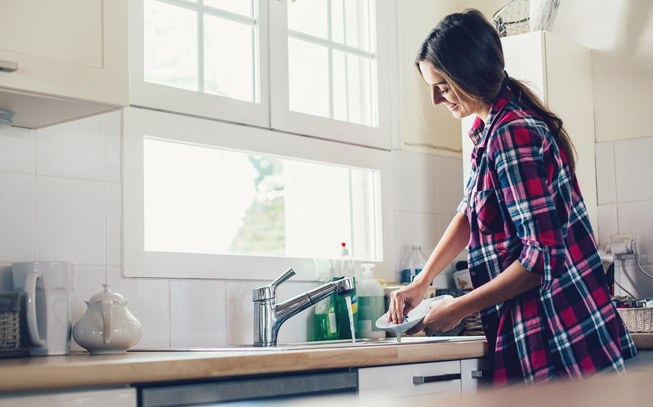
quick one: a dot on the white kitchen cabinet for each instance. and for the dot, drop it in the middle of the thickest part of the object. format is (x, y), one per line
(421, 126)
(122, 397)
(62, 60)
(418, 380)
(559, 71)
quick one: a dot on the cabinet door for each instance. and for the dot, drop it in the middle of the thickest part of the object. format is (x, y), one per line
(70, 49)
(413, 380)
(475, 373)
(125, 397)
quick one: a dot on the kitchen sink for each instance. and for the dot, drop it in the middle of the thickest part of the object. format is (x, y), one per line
(336, 344)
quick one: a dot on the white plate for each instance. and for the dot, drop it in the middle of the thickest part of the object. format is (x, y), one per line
(414, 317)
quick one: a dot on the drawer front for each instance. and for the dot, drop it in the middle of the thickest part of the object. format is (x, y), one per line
(410, 380)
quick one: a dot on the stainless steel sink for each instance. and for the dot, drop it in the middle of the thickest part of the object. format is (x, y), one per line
(345, 343)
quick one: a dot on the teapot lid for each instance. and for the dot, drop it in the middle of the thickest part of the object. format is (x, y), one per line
(106, 295)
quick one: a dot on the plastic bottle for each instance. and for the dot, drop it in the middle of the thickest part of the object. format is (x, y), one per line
(326, 326)
(371, 304)
(412, 264)
(344, 267)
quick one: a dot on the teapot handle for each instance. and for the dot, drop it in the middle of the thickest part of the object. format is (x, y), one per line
(107, 316)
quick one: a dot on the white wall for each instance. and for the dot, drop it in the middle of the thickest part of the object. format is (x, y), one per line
(60, 199)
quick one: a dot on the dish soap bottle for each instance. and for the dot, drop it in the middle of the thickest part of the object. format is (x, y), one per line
(326, 326)
(371, 304)
(344, 267)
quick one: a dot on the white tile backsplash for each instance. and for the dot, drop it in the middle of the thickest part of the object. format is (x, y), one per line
(113, 126)
(197, 313)
(633, 166)
(74, 149)
(17, 217)
(449, 184)
(606, 184)
(70, 220)
(637, 217)
(149, 302)
(17, 150)
(414, 183)
(114, 216)
(608, 225)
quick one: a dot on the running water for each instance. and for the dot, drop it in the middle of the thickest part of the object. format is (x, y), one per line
(351, 319)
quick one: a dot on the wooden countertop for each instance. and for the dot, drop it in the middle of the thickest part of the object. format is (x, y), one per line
(83, 370)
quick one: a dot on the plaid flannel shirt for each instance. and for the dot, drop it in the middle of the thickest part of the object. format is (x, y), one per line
(524, 204)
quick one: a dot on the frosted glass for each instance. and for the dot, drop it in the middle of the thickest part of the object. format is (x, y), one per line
(308, 78)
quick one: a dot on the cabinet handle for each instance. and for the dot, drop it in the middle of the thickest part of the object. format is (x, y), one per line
(7, 66)
(477, 374)
(439, 378)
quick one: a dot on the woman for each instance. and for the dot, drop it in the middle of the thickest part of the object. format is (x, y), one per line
(538, 280)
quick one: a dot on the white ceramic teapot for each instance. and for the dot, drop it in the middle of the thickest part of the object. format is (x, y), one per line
(107, 327)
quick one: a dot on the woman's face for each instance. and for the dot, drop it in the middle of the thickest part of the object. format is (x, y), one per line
(442, 93)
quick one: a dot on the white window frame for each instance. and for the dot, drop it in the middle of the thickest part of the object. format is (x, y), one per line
(166, 98)
(283, 118)
(139, 123)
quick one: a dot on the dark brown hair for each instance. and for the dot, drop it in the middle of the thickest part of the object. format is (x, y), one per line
(466, 50)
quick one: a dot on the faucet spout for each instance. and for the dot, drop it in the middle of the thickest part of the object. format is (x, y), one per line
(268, 316)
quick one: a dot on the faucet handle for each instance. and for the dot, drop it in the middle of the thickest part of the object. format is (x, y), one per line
(267, 292)
(283, 277)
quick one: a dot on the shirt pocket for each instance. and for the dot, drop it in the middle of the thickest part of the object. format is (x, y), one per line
(488, 212)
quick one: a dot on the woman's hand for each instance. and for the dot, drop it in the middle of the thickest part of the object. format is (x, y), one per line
(403, 300)
(443, 316)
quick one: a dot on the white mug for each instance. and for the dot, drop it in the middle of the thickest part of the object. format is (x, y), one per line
(48, 286)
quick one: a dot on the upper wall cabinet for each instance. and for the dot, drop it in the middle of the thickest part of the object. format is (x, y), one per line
(559, 71)
(62, 60)
(422, 126)
(315, 68)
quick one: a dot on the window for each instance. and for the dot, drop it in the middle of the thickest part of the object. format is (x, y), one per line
(241, 203)
(205, 199)
(327, 76)
(201, 57)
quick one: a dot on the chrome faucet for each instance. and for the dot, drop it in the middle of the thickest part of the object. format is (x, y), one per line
(269, 316)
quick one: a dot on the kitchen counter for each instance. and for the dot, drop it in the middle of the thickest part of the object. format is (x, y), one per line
(84, 370)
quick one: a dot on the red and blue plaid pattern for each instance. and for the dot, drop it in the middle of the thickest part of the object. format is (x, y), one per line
(524, 204)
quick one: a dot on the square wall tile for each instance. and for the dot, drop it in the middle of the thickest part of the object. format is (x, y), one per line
(197, 313)
(633, 166)
(608, 224)
(17, 150)
(70, 220)
(17, 217)
(74, 149)
(240, 312)
(414, 186)
(149, 302)
(114, 223)
(449, 184)
(113, 130)
(606, 184)
(635, 217)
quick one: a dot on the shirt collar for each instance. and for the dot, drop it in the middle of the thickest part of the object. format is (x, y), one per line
(479, 131)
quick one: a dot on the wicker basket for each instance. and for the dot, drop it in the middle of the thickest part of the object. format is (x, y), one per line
(9, 321)
(637, 319)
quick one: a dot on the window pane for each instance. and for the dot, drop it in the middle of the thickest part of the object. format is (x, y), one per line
(202, 199)
(170, 45)
(242, 7)
(352, 81)
(337, 22)
(229, 59)
(308, 17)
(357, 24)
(308, 78)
